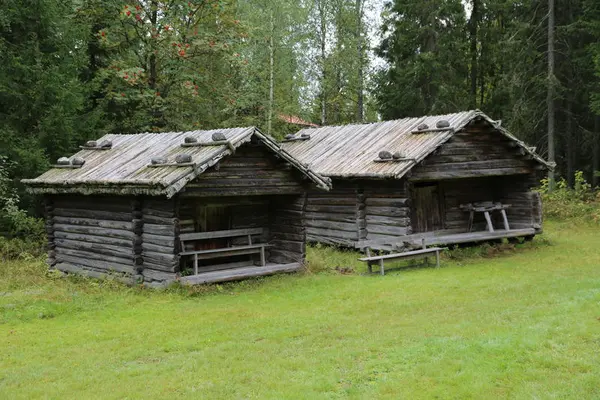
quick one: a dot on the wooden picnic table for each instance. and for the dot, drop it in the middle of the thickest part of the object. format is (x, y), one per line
(486, 208)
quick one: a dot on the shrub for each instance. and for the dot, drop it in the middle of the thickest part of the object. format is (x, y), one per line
(27, 231)
(581, 203)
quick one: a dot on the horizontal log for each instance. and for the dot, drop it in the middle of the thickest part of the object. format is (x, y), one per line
(93, 256)
(379, 220)
(93, 214)
(312, 216)
(123, 225)
(348, 210)
(473, 165)
(168, 261)
(386, 193)
(384, 237)
(158, 266)
(126, 243)
(330, 241)
(453, 174)
(334, 225)
(387, 230)
(96, 264)
(156, 229)
(101, 249)
(158, 213)
(76, 269)
(388, 211)
(158, 248)
(152, 219)
(235, 182)
(293, 246)
(118, 233)
(162, 240)
(336, 201)
(283, 256)
(242, 191)
(332, 233)
(386, 202)
(156, 275)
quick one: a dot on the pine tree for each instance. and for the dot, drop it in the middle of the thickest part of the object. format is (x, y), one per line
(426, 47)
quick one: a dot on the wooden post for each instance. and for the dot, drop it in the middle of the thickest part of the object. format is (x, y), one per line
(437, 259)
(471, 217)
(195, 264)
(262, 256)
(369, 267)
(505, 219)
(489, 221)
(381, 269)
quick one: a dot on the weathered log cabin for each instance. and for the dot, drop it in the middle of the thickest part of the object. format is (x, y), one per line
(440, 179)
(201, 206)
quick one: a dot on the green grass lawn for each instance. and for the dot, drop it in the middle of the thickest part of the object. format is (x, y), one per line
(523, 323)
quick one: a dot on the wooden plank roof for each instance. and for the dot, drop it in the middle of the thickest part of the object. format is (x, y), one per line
(350, 151)
(124, 169)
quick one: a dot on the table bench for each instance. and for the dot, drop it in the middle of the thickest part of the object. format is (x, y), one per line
(486, 207)
(422, 253)
(247, 249)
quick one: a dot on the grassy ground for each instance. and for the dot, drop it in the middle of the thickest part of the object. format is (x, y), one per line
(521, 324)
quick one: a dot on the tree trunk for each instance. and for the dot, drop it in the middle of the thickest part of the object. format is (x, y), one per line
(271, 78)
(360, 112)
(323, 38)
(473, 23)
(569, 144)
(596, 152)
(152, 62)
(551, 93)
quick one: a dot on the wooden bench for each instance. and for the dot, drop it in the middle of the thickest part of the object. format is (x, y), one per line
(422, 253)
(247, 249)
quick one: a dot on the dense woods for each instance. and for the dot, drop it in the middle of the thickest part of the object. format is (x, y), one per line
(77, 69)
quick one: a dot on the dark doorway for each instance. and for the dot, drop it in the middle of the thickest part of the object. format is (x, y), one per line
(212, 217)
(427, 212)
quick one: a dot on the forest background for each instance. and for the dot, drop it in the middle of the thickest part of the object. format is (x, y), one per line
(74, 70)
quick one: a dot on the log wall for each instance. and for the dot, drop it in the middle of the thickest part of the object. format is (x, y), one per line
(287, 229)
(92, 235)
(160, 240)
(387, 211)
(252, 170)
(336, 217)
(477, 151)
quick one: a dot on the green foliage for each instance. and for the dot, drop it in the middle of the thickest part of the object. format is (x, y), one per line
(425, 47)
(13, 220)
(580, 203)
(40, 92)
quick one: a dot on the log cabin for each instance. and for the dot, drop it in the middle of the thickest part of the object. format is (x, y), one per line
(432, 180)
(198, 207)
